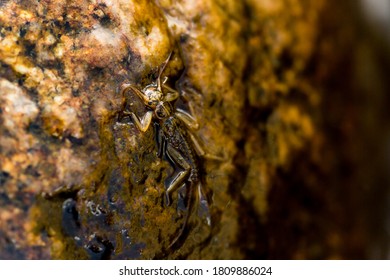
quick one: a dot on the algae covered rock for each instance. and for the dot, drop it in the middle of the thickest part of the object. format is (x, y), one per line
(96, 185)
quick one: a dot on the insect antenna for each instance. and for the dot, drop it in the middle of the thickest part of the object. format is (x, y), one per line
(161, 71)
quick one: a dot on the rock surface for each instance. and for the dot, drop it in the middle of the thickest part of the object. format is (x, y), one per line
(278, 95)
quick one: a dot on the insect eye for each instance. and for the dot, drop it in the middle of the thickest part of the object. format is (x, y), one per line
(152, 103)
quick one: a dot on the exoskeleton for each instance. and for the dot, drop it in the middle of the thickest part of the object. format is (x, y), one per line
(176, 142)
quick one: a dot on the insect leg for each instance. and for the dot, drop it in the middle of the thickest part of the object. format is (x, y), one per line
(139, 93)
(189, 94)
(143, 123)
(171, 95)
(201, 152)
(189, 120)
(203, 205)
(182, 175)
(168, 87)
(186, 218)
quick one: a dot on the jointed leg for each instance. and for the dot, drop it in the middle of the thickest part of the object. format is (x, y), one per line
(203, 205)
(189, 120)
(187, 97)
(166, 86)
(180, 178)
(143, 123)
(139, 93)
(201, 152)
(171, 95)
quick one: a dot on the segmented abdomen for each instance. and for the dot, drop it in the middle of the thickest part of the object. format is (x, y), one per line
(176, 135)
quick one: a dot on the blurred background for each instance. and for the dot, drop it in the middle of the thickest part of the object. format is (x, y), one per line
(344, 197)
(376, 14)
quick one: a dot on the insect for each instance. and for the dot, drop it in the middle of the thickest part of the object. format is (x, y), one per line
(175, 139)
